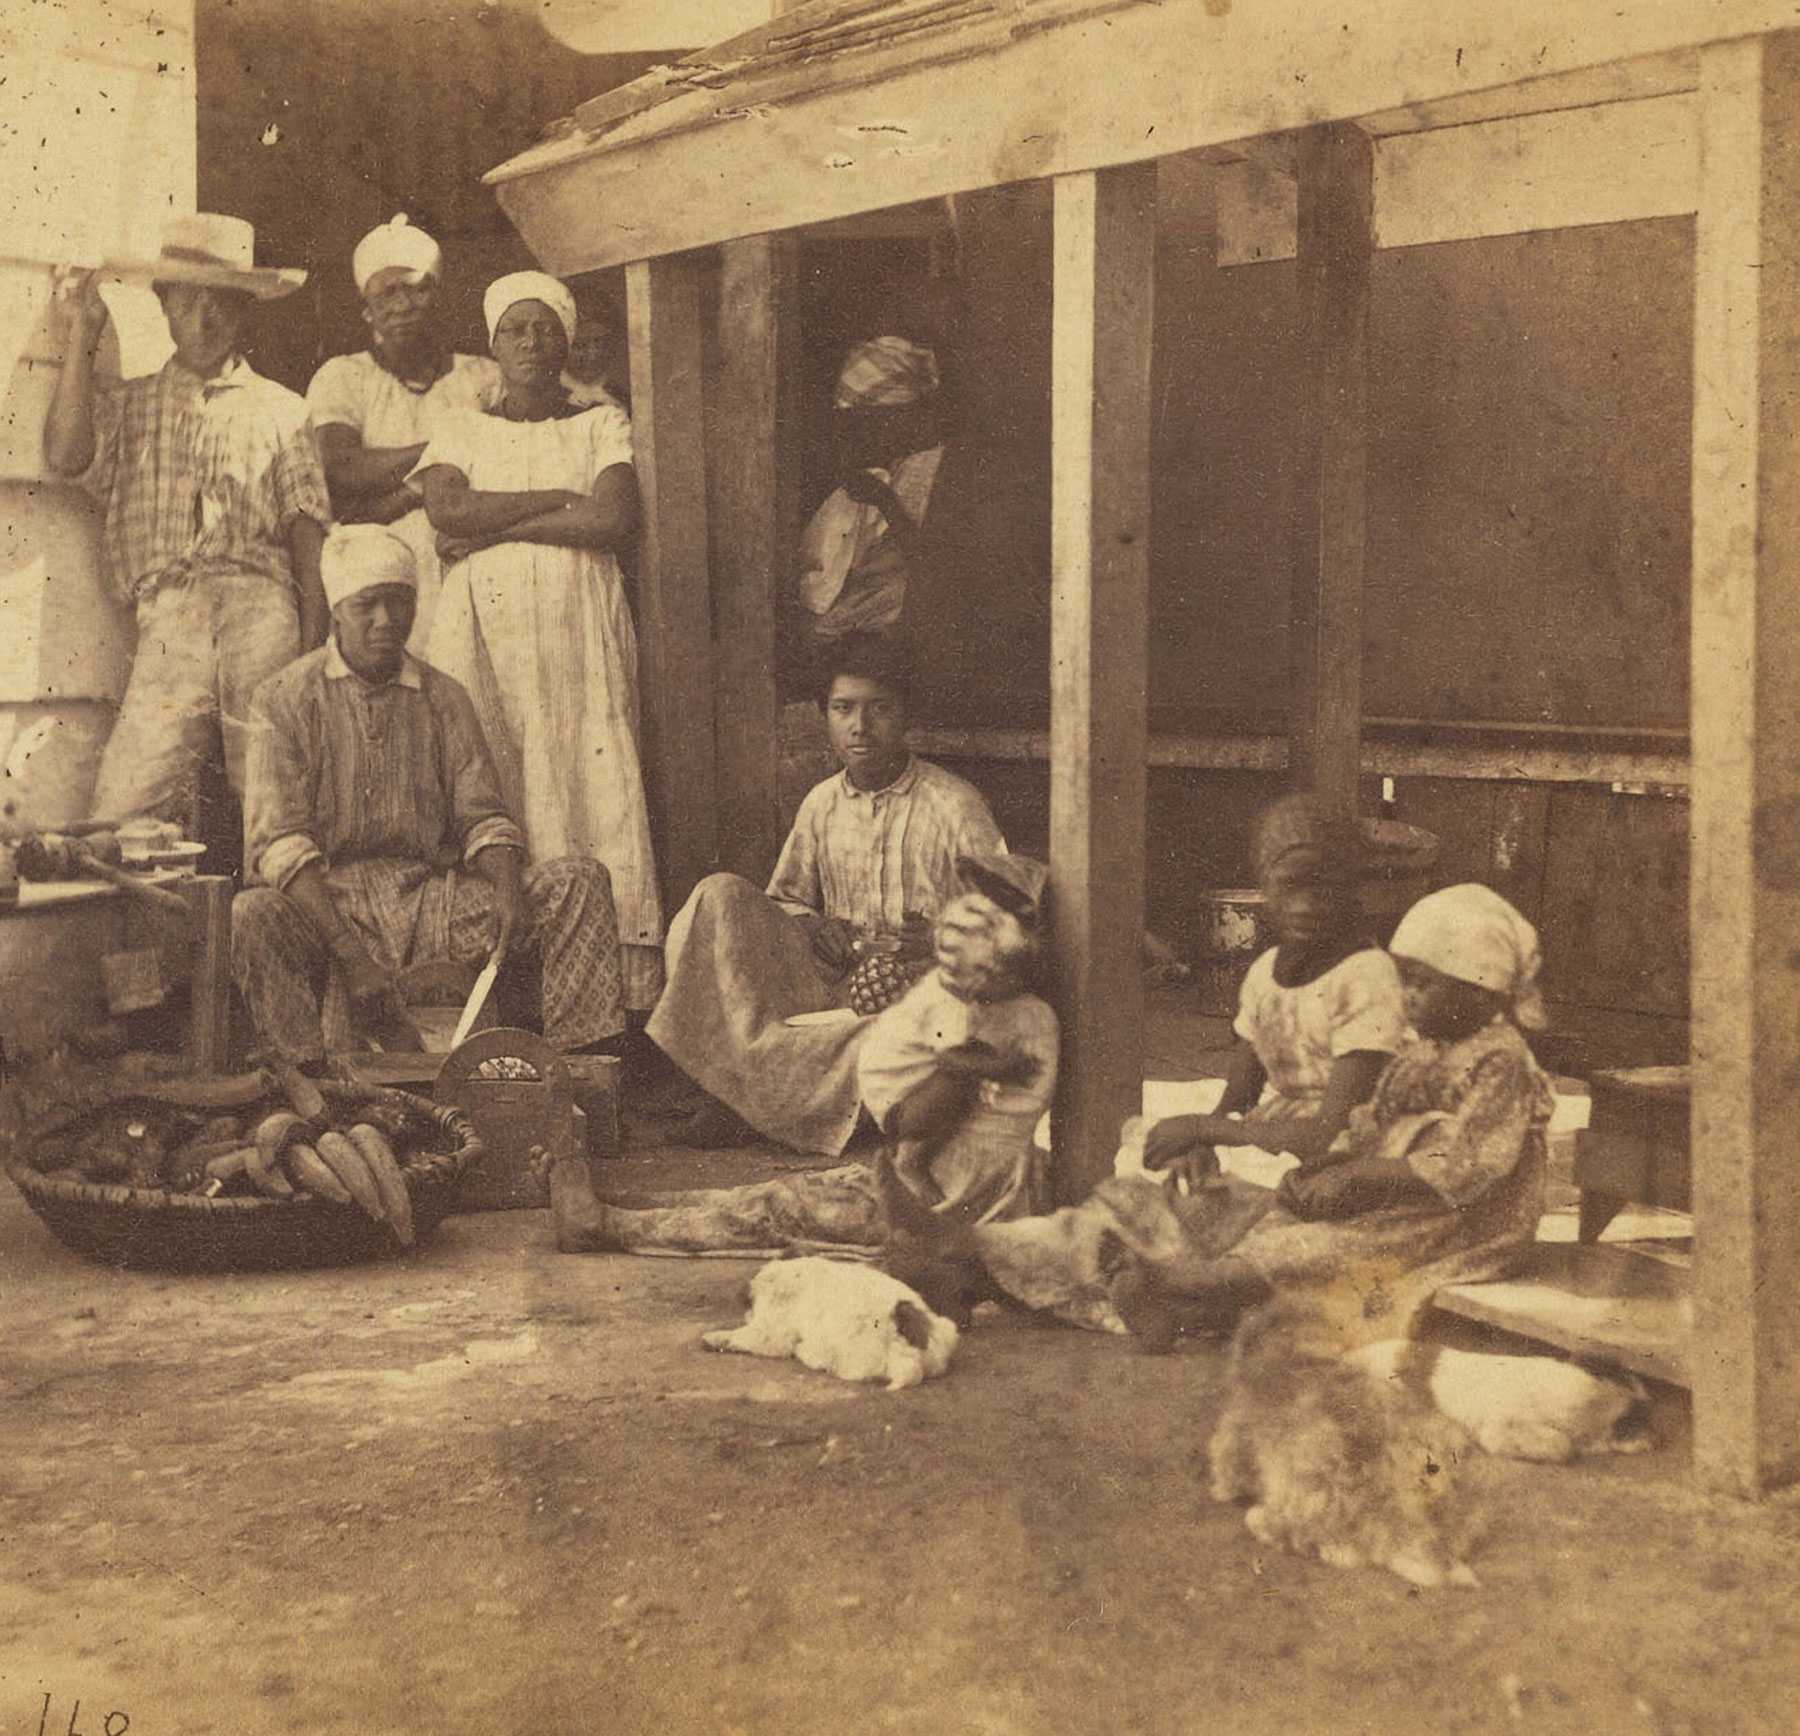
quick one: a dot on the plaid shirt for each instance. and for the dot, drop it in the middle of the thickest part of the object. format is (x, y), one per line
(874, 856)
(202, 477)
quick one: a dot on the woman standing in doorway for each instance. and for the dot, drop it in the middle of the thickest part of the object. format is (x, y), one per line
(531, 501)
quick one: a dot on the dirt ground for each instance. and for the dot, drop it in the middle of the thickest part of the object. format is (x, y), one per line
(493, 1488)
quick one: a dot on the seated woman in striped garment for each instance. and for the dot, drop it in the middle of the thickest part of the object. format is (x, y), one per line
(872, 856)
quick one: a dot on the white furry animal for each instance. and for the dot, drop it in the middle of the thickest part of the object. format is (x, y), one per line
(1518, 1407)
(844, 1318)
(1337, 1461)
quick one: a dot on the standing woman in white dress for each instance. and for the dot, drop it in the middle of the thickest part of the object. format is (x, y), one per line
(530, 500)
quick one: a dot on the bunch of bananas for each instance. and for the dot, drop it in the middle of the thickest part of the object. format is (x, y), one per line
(289, 1155)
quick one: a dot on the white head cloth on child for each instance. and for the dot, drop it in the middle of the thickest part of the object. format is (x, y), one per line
(518, 286)
(1471, 933)
(358, 557)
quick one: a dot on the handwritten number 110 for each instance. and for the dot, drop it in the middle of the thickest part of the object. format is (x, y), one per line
(116, 1722)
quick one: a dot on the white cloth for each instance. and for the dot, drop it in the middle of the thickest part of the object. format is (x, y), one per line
(357, 392)
(587, 394)
(358, 557)
(1471, 933)
(1299, 1032)
(394, 243)
(505, 292)
(840, 535)
(543, 640)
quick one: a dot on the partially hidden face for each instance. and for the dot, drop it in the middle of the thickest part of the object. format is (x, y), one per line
(529, 344)
(1443, 1008)
(400, 306)
(1308, 898)
(206, 323)
(372, 627)
(984, 953)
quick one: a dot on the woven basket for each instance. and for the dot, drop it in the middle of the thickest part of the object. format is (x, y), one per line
(155, 1229)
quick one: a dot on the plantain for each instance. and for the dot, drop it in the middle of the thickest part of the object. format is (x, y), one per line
(275, 1132)
(186, 1165)
(313, 1173)
(273, 1136)
(372, 1143)
(347, 1164)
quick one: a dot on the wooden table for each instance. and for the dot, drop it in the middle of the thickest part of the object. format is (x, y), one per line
(208, 935)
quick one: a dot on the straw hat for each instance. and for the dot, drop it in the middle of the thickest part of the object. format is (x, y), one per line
(210, 248)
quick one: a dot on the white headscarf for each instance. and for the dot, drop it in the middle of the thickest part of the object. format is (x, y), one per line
(885, 372)
(395, 243)
(505, 292)
(358, 557)
(1471, 933)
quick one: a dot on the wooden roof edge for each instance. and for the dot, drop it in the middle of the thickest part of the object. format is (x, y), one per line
(906, 126)
(794, 55)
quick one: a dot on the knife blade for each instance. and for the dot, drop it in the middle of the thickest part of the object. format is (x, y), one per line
(477, 1000)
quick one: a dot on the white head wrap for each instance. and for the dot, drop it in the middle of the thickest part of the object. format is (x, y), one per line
(395, 243)
(505, 292)
(358, 557)
(1471, 933)
(884, 372)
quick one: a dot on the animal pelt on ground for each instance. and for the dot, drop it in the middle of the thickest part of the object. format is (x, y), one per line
(1519, 1407)
(1337, 1461)
(1056, 1263)
(841, 1317)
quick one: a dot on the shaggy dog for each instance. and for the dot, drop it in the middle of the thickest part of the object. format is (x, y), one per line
(1518, 1407)
(1335, 1460)
(844, 1318)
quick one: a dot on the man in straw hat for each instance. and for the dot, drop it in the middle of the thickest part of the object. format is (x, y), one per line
(374, 411)
(377, 832)
(214, 509)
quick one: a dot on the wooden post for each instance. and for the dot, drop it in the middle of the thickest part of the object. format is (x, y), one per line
(674, 620)
(1336, 243)
(209, 972)
(1745, 899)
(753, 537)
(1100, 584)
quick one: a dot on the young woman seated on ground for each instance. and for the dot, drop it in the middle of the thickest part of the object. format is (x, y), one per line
(1438, 1179)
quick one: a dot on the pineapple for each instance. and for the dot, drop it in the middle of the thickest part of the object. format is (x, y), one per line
(881, 979)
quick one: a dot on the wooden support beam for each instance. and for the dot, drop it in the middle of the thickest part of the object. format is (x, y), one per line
(209, 972)
(1746, 755)
(1336, 243)
(1105, 244)
(752, 536)
(674, 618)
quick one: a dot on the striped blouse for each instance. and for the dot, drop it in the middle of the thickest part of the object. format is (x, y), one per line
(347, 772)
(873, 856)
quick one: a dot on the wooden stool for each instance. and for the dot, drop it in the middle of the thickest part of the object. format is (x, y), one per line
(1634, 1149)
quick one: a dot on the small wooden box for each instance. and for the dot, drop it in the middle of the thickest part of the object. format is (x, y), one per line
(525, 1124)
